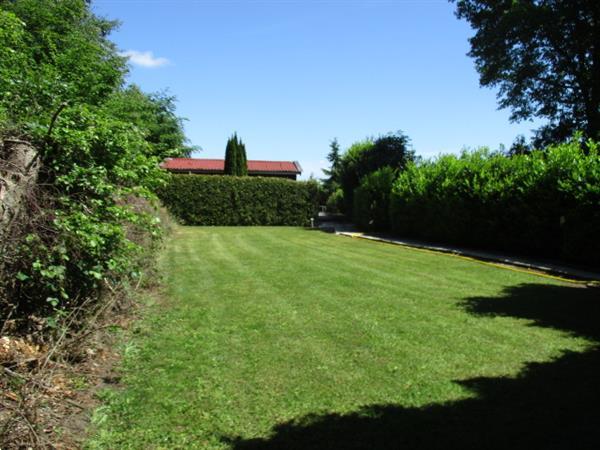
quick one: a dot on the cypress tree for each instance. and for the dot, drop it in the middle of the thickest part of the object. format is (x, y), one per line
(241, 157)
(230, 155)
(235, 157)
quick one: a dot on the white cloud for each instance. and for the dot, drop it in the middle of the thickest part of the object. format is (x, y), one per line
(144, 59)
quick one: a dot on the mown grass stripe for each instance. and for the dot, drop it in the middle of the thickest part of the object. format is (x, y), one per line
(268, 325)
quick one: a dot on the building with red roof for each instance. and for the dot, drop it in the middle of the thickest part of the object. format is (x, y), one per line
(281, 169)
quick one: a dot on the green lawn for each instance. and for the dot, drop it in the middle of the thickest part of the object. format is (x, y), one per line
(290, 338)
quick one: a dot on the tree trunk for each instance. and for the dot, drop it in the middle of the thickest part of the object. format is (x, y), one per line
(18, 175)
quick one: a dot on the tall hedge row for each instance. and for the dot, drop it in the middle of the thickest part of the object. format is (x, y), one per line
(545, 203)
(230, 200)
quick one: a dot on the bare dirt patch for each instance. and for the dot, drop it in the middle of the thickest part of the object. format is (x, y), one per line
(48, 392)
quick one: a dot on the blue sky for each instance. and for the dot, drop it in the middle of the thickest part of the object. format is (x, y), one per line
(288, 76)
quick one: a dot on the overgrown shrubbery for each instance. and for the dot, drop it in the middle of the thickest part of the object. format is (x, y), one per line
(229, 200)
(372, 198)
(97, 166)
(545, 203)
(99, 144)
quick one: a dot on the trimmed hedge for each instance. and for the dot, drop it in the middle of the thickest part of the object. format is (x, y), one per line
(231, 200)
(546, 203)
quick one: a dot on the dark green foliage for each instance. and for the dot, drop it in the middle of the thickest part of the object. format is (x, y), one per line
(372, 198)
(322, 193)
(235, 157)
(334, 157)
(242, 165)
(544, 55)
(229, 200)
(362, 158)
(520, 147)
(230, 151)
(544, 203)
(351, 171)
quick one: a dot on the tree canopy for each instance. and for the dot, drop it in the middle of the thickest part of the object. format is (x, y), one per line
(365, 157)
(544, 56)
(155, 115)
(63, 56)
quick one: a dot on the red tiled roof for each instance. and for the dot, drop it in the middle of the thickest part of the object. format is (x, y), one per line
(273, 166)
(218, 165)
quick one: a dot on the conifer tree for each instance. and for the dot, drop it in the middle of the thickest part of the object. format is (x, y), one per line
(242, 160)
(331, 183)
(230, 155)
(235, 157)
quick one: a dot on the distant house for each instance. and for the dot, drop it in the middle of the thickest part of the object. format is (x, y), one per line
(281, 169)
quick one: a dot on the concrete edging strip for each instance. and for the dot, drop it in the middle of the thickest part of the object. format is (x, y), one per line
(548, 270)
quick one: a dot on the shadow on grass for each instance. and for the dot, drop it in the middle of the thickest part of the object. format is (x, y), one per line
(548, 405)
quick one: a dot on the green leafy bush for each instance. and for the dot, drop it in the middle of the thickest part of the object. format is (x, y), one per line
(99, 144)
(230, 200)
(544, 203)
(94, 167)
(372, 198)
(335, 202)
(365, 157)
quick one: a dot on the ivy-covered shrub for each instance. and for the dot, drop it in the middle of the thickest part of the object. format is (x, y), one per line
(545, 203)
(372, 199)
(230, 200)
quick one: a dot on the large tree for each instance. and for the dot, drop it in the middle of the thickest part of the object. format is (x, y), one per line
(544, 56)
(365, 157)
(68, 59)
(154, 114)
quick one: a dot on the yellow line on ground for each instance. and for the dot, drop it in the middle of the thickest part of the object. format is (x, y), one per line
(506, 266)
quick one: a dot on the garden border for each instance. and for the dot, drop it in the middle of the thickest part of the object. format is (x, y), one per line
(545, 269)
